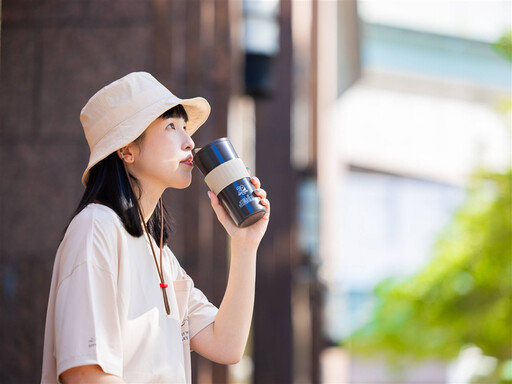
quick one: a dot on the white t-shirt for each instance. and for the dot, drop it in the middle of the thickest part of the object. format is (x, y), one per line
(106, 306)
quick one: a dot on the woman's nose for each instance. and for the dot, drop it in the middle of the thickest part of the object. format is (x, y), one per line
(188, 143)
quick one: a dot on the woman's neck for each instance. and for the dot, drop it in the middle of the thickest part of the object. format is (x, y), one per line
(149, 195)
(148, 204)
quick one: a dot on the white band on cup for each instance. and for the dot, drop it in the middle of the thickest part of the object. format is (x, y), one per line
(225, 174)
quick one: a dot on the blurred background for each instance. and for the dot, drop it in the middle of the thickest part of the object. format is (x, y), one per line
(380, 129)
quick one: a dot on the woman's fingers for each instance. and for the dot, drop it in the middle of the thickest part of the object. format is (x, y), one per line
(266, 204)
(256, 182)
(261, 193)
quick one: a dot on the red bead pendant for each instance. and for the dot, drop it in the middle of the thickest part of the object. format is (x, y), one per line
(163, 285)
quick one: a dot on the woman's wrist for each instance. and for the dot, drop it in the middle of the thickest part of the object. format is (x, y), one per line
(241, 247)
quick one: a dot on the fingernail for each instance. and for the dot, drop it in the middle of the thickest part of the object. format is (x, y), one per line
(209, 196)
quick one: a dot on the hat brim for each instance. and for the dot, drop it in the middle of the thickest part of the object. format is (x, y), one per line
(197, 108)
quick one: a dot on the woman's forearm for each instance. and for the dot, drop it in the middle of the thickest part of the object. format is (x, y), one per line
(233, 321)
(225, 340)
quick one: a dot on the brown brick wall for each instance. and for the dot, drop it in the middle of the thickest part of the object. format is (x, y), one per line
(54, 55)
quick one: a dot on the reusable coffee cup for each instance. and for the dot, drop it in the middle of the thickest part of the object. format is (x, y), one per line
(226, 175)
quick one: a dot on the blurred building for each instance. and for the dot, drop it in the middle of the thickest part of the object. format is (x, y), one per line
(409, 133)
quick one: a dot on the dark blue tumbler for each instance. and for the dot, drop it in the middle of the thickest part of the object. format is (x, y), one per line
(226, 175)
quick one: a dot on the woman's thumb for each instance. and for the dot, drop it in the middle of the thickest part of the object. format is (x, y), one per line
(214, 200)
(217, 207)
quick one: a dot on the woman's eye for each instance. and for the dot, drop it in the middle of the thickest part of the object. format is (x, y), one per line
(171, 126)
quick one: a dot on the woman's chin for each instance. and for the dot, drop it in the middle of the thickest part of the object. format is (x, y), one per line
(182, 184)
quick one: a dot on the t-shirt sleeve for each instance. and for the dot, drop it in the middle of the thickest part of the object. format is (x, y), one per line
(200, 311)
(87, 328)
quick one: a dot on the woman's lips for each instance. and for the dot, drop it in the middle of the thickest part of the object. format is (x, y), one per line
(188, 162)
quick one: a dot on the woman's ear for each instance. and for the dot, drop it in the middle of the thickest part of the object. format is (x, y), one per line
(125, 154)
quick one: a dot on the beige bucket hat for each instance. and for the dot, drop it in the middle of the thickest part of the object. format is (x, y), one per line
(120, 112)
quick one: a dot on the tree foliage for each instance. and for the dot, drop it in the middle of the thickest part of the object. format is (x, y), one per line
(504, 45)
(504, 48)
(464, 296)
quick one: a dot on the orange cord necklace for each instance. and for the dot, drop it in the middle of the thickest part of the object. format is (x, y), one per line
(159, 269)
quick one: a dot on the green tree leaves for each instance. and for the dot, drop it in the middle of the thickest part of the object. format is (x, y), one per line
(463, 297)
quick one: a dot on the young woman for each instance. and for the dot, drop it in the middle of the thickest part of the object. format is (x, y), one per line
(121, 309)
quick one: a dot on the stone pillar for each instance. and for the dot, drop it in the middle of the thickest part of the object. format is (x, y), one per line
(273, 341)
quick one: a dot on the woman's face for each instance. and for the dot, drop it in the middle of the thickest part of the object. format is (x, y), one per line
(164, 157)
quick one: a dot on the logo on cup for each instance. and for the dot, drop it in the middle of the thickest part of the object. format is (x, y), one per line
(242, 190)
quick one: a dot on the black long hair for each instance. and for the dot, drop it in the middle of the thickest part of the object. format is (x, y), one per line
(108, 184)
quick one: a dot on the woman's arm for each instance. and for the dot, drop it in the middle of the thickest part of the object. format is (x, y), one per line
(224, 340)
(88, 374)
